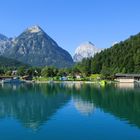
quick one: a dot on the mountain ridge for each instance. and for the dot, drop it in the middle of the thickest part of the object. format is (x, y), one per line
(34, 47)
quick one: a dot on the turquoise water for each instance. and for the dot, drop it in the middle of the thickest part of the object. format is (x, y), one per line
(69, 112)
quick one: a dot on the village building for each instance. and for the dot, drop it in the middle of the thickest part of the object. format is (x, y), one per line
(127, 78)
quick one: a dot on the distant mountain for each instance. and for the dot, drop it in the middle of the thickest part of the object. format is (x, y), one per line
(3, 37)
(36, 48)
(5, 43)
(85, 50)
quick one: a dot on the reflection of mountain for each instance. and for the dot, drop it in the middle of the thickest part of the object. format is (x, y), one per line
(34, 105)
(124, 104)
(31, 105)
(84, 107)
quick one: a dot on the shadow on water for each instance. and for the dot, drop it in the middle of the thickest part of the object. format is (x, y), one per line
(35, 104)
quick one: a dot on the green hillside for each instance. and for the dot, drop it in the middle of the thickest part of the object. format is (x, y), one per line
(123, 57)
(6, 62)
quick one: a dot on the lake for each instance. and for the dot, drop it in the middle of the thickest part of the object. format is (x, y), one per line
(69, 112)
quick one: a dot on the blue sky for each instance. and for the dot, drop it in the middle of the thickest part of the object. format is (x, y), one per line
(72, 22)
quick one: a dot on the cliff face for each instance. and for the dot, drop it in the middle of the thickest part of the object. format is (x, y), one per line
(85, 50)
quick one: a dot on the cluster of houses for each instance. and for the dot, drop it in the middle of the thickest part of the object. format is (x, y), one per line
(122, 78)
(65, 78)
(14, 78)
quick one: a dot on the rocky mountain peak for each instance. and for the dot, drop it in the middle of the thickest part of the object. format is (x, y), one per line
(3, 37)
(34, 29)
(85, 50)
(5, 43)
(84, 47)
(36, 48)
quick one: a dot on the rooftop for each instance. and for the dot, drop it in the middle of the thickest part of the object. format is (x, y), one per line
(127, 75)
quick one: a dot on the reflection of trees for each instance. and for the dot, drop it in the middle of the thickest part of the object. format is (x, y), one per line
(31, 104)
(35, 104)
(124, 104)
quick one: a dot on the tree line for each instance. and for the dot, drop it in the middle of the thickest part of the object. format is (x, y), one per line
(123, 57)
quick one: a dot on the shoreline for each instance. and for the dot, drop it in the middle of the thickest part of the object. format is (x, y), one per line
(81, 82)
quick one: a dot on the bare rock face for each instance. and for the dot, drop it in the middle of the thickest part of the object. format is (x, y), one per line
(85, 50)
(36, 48)
(5, 43)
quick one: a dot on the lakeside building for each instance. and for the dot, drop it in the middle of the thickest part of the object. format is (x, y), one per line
(127, 78)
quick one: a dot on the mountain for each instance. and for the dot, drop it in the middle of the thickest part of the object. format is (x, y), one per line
(85, 50)
(6, 62)
(3, 37)
(36, 48)
(123, 57)
(5, 43)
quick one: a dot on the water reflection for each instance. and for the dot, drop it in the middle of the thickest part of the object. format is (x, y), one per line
(33, 105)
(125, 85)
(123, 104)
(84, 107)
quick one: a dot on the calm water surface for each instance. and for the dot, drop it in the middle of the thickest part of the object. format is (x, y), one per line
(69, 112)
